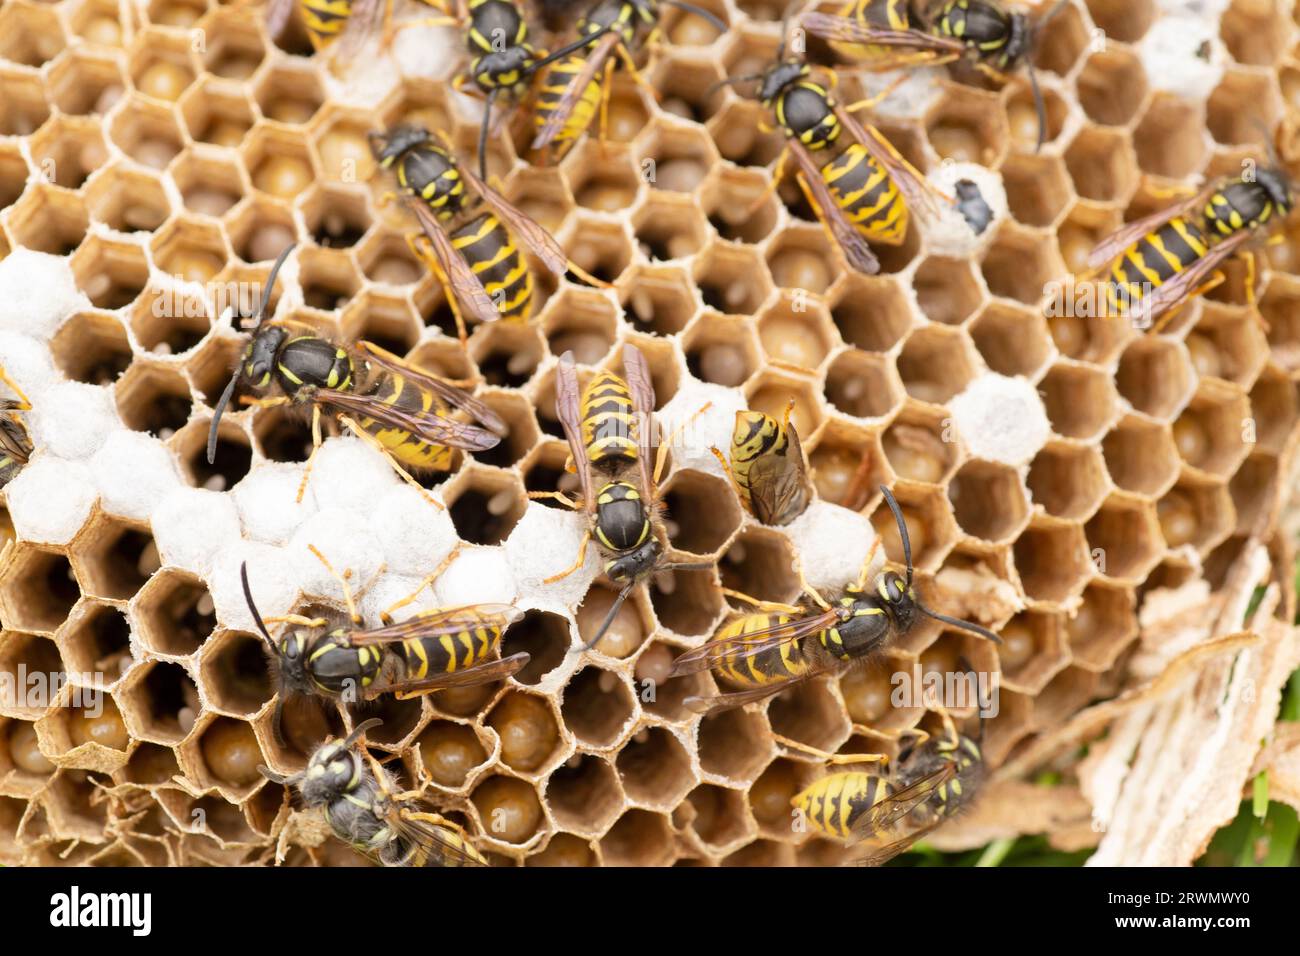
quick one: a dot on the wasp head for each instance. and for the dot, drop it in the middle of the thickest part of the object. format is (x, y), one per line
(388, 147)
(777, 77)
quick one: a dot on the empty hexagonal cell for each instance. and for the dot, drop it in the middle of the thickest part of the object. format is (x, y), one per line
(162, 65)
(175, 613)
(1154, 376)
(92, 347)
(1170, 139)
(1141, 456)
(13, 176)
(1038, 189)
(147, 132)
(37, 588)
(1112, 87)
(67, 150)
(153, 398)
(738, 207)
(719, 818)
(387, 259)
(624, 634)
(668, 226)
(24, 107)
(1080, 401)
(1255, 33)
(336, 217)
(988, 500)
(638, 838)
(1102, 165)
(811, 714)
(232, 456)
(760, 563)
(1240, 106)
(947, 290)
(509, 808)
(485, 506)
(862, 385)
(935, 364)
(235, 673)
(1012, 340)
(1069, 479)
(654, 768)
(1250, 489)
(1104, 623)
(1215, 431)
(968, 126)
(731, 744)
(1124, 538)
(214, 115)
(1273, 405)
(159, 702)
(721, 350)
(235, 48)
(22, 655)
(1019, 265)
(930, 527)
(848, 464)
(1053, 560)
(97, 644)
(329, 279)
(1228, 346)
(732, 280)
(48, 219)
(32, 34)
(597, 706)
(450, 752)
(114, 558)
(686, 602)
(583, 795)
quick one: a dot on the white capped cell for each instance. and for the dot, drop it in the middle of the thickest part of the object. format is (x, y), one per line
(37, 292)
(545, 542)
(1001, 418)
(832, 543)
(72, 419)
(192, 525)
(50, 499)
(134, 472)
(414, 534)
(266, 499)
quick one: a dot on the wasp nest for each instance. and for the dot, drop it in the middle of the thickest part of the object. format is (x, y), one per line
(1053, 470)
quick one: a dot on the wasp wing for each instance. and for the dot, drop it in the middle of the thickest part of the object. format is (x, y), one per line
(895, 808)
(573, 92)
(570, 414)
(1168, 294)
(278, 15)
(437, 840)
(642, 388)
(364, 22)
(847, 30)
(522, 226)
(426, 425)
(436, 623)
(846, 236)
(918, 193)
(1126, 235)
(776, 483)
(464, 284)
(743, 646)
(484, 672)
(456, 397)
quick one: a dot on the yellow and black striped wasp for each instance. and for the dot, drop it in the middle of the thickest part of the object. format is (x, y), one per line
(431, 651)
(932, 780)
(365, 810)
(337, 27)
(574, 88)
(400, 411)
(862, 189)
(474, 253)
(765, 652)
(767, 467)
(15, 442)
(1157, 262)
(610, 432)
(888, 35)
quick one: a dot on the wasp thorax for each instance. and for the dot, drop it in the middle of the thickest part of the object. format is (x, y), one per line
(311, 361)
(621, 520)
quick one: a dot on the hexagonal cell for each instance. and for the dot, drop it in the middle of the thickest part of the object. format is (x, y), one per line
(668, 226)
(235, 48)
(1053, 560)
(564, 849)
(584, 795)
(811, 714)
(1112, 87)
(98, 644)
(581, 321)
(719, 818)
(96, 22)
(597, 706)
(654, 768)
(231, 461)
(930, 526)
(1012, 340)
(602, 181)
(20, 755)
(1022, 116)
(1196, 513)
(214, 115)
(732, 279)
(862, 385)
(13, 176)
(676, 158)
(450, 752)
(128, 200)
(209, 184)
(1141, 456)
(1273, 403)
(721, 350)
(190, 250)
(1124, 537)
(92, 347)
(24, 107)
(989, 500)
(968, 126)
(1154, 376)
(739, 137)
(159, 702)
(686, 602)
(1068, 479)
(1170, 139)
(153, 398)
(37, 588)
(1080, 401)
(1104, 623)
(162, 65)
(848, 464)
(115, 558)
(67, 150)
(1214, 432)
(916, 449)
(600, 247)
(1032, 651)
(639, 838)
(731, 744)
(626, 633)
(760, 563)
(175, 613)
(1038, 189)
(526, 725)
(1102, 165)
(329, 279)
(509, 808)
(1240, 106)
(147, 132)
(343, 148)
(235, 673)
(702, 512)
(21, 656)
(772, 392)
(1123, 20)
(48, 219)
(32, 34)
(1227, 345)
(83, 83)
(280, 163)
(227, 755)
(485, 506)
(729, 200)
(795, 332)
(289, 94)
(1019, 265)
(935, 364)
(660, 301)
(947, 290)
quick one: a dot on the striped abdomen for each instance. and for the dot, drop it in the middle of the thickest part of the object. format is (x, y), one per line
(394, 389)
(835, 802)
(496, 261)
(780, 662)
(867, 195)
(324, 20)
(1152, 261)
(554, 83)
(448, 653)
(609, 425)
(877, 14)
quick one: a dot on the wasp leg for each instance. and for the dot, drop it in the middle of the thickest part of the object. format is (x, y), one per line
(865, 571)
(769, 606)
(773, 184)
(343, 582)
(587, 277)
(296, 619)
(582, 558)
(731, 475)
(271, 402)
(880, 97)
(315, 447)
(24, 403)
(837, 759)
(1213, 283)
(1249, 256)
(633, 72)
(813, 593)
(661, 457)
(387, 614)
(393, 463)
(559, 496)
(416, 245)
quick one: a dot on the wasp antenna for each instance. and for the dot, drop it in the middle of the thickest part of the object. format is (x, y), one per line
(732, 81)
(483, 133)
(983, 632)
(700, 12)
(270, 285)
(274, 777)
(902, 531)
(609, 618)
(222, 402)
(360, 729)
(277, 721)
(248, 598)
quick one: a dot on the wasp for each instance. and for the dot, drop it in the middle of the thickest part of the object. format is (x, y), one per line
(1160, 260)
(365, 810)
(933, 779)
(15, 442)
(767, 467)
(474, 254)
(574, 88)
(609, 430)
(431, 651)
(996, 41)
(337, 27)
(403, 413)
(862, 189)
(768, 651)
